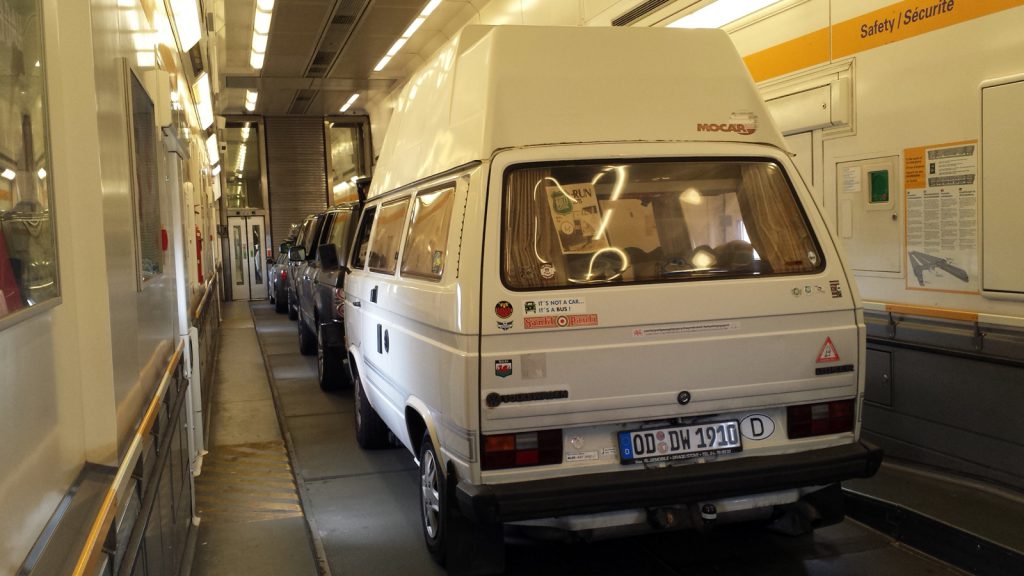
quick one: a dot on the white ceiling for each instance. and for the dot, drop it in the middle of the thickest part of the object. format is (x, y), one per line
(320, 52)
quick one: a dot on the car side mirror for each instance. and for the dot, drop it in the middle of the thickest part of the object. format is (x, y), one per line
(296, 254)
(328, 255)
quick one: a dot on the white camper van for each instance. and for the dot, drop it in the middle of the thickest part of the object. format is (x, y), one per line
(589, 292)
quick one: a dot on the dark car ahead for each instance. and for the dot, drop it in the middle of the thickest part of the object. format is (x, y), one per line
(321, 295)
(297, 260)
(277, 278)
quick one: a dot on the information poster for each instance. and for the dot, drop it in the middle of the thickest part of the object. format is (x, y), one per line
(577, 217)
(941, 184)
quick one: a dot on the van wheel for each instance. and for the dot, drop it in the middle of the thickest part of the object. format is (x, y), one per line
(371, 432)
(433, 500)
(454, 541)
(307, 341)
(329, 370)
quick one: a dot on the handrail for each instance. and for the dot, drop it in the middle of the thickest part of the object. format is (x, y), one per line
(930, 312)
(201, 307)
(93, 548)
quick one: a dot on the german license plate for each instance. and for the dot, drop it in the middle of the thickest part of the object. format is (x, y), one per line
(679, 442)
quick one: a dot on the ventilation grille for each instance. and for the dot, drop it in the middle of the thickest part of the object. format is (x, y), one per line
(638, 12)
(334, 37)
(303, 98)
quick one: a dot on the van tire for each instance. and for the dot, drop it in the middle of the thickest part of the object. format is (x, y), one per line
(454, 541)
(433, 500)
(307, 341)
(330, 373)
(371, 431)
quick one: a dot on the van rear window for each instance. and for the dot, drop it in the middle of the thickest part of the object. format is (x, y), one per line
(651, 221)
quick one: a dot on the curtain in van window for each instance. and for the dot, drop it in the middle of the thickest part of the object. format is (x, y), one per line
(529, 220)
(773, 221)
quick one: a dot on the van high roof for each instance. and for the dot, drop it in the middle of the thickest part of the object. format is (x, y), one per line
(496, 87)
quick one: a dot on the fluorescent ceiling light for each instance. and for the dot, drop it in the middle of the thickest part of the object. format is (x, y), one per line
(256, 60)
(251, 96)
(265, 5)
(204, 100)
(259, 42)
(262, 22)
(397, 46)
(41, 173)
(216, 170)
(430, 7)
(250, 106)
(720, 13)
(8, 173)
(349, 103)
(212, 149)
(413, 27)
(383, 62)
(187, 23)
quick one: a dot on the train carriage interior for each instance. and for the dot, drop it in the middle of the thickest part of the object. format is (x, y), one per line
(749, 275)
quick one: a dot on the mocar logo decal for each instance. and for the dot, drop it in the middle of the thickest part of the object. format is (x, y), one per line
(744, 129)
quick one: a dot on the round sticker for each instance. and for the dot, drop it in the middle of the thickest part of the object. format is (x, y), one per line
(503, 309)
(568, 228)
(547, 271)
(757, 427)
(562, 321)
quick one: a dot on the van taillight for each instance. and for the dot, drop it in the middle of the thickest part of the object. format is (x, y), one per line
(284, 273)
(819, 419)
(522, 449)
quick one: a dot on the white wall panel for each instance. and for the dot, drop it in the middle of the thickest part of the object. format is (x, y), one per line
(923, 91)
(56, 397)
(142, 323)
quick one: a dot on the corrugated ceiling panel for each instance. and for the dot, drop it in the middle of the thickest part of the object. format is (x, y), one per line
(296, 174)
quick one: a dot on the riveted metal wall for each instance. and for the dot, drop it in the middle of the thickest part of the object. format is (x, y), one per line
(946, 393)
(296, 172)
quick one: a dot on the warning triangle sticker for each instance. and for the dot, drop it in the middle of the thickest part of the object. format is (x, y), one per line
(828, 352)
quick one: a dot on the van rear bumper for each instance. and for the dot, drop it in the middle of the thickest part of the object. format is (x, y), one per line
(591, 493)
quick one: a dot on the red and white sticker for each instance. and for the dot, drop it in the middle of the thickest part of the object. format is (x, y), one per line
(567, 321)
(828, 352)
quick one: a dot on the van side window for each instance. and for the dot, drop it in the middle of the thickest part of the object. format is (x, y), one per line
(652, 221)
(426, 244)
(362, 243)
(339, 232)
(386, 238)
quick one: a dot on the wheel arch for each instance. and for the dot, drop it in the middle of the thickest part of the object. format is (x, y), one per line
(417, 422)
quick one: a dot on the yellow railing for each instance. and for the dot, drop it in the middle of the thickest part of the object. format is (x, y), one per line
(92, 550)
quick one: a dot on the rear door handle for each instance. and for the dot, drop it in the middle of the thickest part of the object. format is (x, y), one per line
(357, 304)
(373, 294)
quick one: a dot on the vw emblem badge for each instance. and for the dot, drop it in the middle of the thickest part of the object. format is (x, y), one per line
(683, 397)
